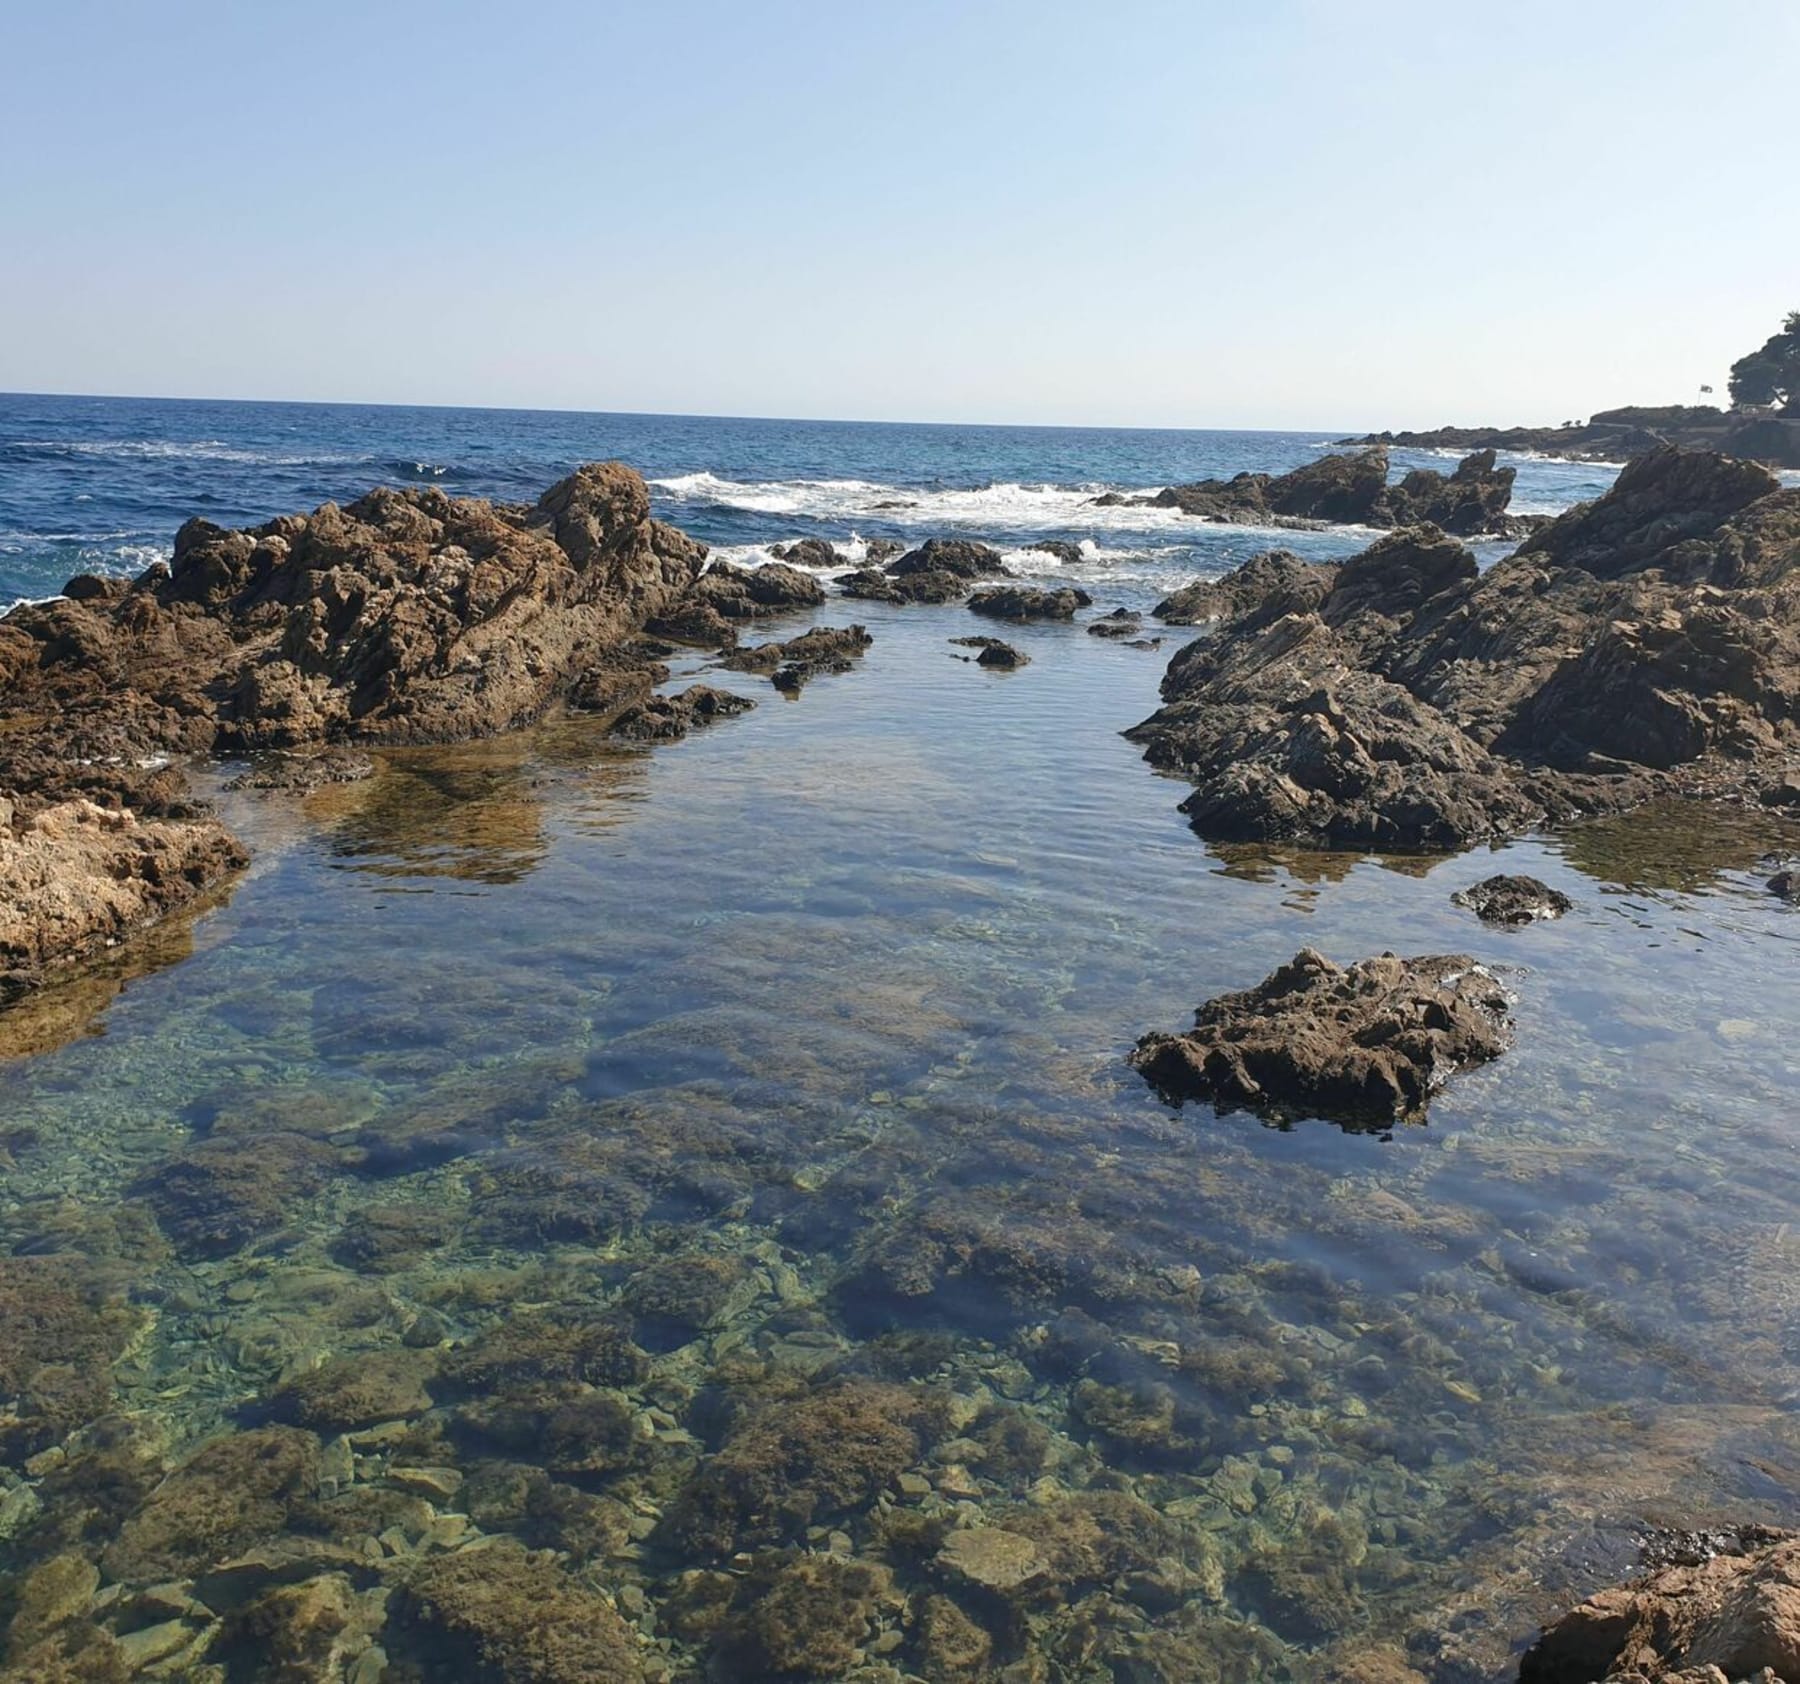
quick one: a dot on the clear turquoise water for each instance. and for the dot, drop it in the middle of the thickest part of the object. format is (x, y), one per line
(839, 992)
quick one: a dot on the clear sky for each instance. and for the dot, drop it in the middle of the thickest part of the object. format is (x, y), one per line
(1284, 213)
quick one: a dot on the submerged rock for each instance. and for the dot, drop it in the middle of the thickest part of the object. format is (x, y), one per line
(218, 1196)
(798, 1616)
(994, 653)
(1019, 602)
(519, 1617)
(1512, 900)
(1646, 643)
(1729, 1616)
(1364, 1046)
(60, 1330)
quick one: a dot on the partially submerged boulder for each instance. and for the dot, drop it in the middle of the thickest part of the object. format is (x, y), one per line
(993, 653)
(939, 570)
(1728, 1615)
(790, 665)
(1646, 643)
(1365, 1046)
(1021, 603)
(667, 719)
(1512, 900)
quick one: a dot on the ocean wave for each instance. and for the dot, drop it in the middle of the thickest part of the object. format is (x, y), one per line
(149, 450)
(1100, 564)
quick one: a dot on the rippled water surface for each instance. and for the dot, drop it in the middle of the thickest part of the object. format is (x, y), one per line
(795, 1052)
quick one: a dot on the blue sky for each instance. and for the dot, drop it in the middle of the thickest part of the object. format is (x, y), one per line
(1294, 213)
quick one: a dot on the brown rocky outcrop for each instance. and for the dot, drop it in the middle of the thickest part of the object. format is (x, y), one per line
(791, 665)
(406, 616)
(1717, 1616)
(1611, 435)
(1020, 603)
(1364, 1046)
(1647, 642)
(1354, 490)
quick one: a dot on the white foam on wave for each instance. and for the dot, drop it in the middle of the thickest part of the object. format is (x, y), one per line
(201, 450)
(1005, 503)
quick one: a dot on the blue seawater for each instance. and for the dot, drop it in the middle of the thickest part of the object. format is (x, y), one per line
(102, 484)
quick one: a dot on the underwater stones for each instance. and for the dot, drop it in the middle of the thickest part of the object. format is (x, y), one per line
(541, 1346)
(1363, 1046)
(1786, 884)
(675, 1300)
(232, 1493)
(667, 719)
(995, 654)
(355, 1391)
(798, 1616)
(951, 1646)
(518, 1617)
(1512, 900)
(219, 1195)
(383, 1238)
(292, 1634)
(993, 1559)
(793, 1464)
(547, 1513)
(53, 1592)
(568, 1428)
(1139, 1423)
(59, 1334)
(1021, 603)
(1737, 1611)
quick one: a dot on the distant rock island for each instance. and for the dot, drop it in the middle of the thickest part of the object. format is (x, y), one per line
(1615, 435)
(1762, 426)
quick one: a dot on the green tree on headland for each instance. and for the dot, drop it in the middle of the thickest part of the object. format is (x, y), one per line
(1771, 375)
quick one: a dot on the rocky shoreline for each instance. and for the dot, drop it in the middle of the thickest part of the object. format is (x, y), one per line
(1615, 435)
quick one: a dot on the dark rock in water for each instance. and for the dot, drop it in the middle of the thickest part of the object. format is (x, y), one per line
(355, 1391)
(870, 584)
(1512, 900)
(1018, 602)
(738, 593)
(824, 649)
(876, 551)
(1000, 656)
(696, 622)
(1145, 643)
(1272, 584)
(1646, 643)
(1364, 1046)
(619, 678)
(1731, 1615)
(301, 774)
(504, 1613)
(811, 552)
(960, 557)
(666, 719)
(1121, 622)
(60, 1331)
(1786, 884)
(1065, 552)
(1354, 490)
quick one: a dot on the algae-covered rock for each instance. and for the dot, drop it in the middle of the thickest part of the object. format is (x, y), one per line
(567, 1427)
(1512, 900)
(1366, 1045)
(546, 1346)
(234, 1492)
(503, 1614)
(676, 1299)
(218, 1196)
(296, 1634)
(993, 1558)
(793, 1464)
(798, 1617)
(381, 1238)
(951, 1646)
(355, 1391)
(59, 1334)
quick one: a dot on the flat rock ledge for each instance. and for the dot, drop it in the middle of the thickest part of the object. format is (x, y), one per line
(1363, 1046)
(1713, 1620)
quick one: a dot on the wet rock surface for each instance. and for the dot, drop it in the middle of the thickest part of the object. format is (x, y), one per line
(994, 653)
(939, 570)
(667, 719)
(1647, 642)
(1365, 1045)
(790, 666)
(1512, 900)
(1733, 1613)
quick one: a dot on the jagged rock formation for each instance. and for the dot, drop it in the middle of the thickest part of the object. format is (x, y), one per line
(1647, 642)
(1716, 1616)
(406, 616)
(1364, 1046)
(1353, 490)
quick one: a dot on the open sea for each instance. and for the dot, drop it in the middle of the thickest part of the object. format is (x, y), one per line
(795, 1051)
